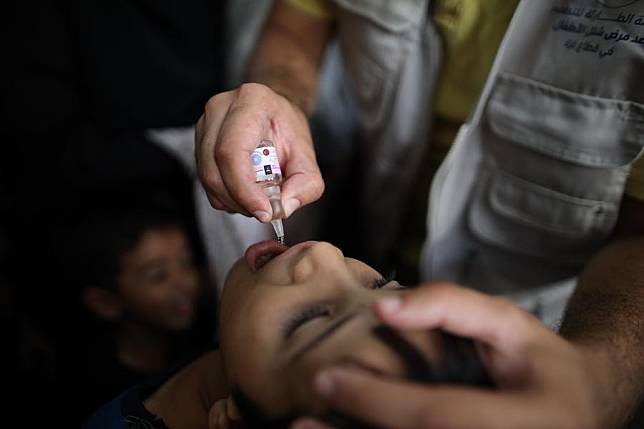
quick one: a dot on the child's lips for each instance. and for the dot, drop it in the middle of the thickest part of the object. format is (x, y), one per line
(259, 254)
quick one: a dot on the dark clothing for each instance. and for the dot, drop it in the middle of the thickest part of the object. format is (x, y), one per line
(101, 377)
(83, 81)
(87, 78)
(96, 374)
(127, 411)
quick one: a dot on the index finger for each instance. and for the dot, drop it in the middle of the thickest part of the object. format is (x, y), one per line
(206, 136)
(460, 311)
(241, 132)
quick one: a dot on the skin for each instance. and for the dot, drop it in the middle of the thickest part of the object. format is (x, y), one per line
(543, 380)
(158, 286)
(185, 399)
(284, 76)
(271, 368)
(158, 283)
(589, 377)
(603, 322)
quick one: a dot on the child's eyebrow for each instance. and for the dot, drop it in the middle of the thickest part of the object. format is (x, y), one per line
(324, 335)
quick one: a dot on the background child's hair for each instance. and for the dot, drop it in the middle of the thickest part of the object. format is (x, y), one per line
(95, 248)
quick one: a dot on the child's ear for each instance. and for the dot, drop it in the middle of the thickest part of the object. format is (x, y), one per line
(103, 303)
(223, 414)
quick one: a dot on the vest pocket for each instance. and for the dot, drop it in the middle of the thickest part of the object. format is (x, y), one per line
(554, 169)
(518, 215)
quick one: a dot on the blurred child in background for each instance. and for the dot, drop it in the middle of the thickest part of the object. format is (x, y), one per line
(141, 293)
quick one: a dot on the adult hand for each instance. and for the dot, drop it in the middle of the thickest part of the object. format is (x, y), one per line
(231, 127)
(543, 380)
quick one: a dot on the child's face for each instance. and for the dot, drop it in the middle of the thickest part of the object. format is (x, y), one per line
(158, 283)
(307, 308)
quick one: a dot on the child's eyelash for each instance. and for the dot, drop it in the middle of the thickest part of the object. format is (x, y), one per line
(303, 317)
(322, 310)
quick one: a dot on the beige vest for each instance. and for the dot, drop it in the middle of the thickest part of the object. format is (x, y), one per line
(532, 187)
(392, 52)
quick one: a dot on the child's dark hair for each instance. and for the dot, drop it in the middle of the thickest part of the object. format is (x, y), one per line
(460, 364)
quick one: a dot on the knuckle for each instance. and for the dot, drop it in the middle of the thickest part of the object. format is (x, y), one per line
(215, 102)
(250, 89)
(286, 105)
(223, 154)
(216, 204)
(317, 187)
(211, 181)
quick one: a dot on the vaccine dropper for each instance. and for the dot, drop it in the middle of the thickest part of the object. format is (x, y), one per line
(269, 174)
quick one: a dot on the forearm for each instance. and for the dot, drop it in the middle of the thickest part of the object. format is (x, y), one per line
(289, 54)
(605, 316)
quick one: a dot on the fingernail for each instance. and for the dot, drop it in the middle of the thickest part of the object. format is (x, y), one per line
(262, 216)
(389, 305)
(324, 384)
(291, 205)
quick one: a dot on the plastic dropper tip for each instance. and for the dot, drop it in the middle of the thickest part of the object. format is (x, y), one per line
(279, 230)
